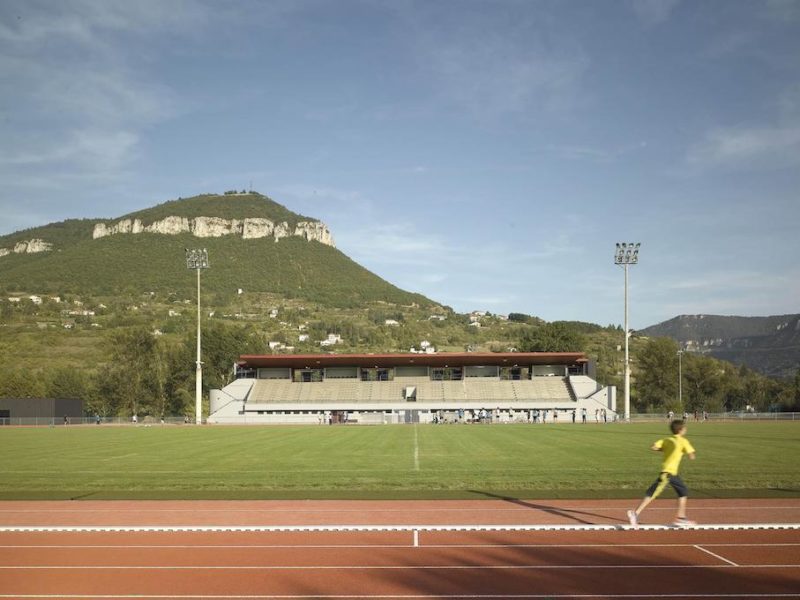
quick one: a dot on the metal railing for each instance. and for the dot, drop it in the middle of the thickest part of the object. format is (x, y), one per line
(730, 417)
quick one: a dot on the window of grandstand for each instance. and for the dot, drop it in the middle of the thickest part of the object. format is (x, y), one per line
(549, 370)
(415, 371)
(243, 373)
(447, 373)
(341, 373)
(480, 371)
(377, 374)
(307, 375)
(514, 373)
(284, 373)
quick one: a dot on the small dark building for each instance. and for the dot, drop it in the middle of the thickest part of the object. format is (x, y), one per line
(40, 408)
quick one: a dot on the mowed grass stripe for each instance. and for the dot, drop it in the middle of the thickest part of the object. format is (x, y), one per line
(347, 461)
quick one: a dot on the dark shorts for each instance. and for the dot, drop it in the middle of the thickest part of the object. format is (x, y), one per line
(663, 479)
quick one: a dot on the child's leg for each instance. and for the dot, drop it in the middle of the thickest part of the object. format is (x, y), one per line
(643, 504)
(652, 492)
(682, 507)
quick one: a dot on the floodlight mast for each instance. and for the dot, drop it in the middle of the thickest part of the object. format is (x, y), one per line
(627, 254)
(198, 259)
(680, 380)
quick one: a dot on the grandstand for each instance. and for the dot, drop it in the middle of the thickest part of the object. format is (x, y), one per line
(410, 388)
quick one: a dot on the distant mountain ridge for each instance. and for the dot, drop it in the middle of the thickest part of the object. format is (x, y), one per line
(769, 345)
(254, 244)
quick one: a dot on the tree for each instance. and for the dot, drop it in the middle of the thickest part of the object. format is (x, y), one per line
(703, 389)
(66, 382)
(134, 382)
(657, 374)
(552, 337)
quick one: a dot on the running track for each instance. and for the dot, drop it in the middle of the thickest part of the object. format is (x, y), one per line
(421, 549)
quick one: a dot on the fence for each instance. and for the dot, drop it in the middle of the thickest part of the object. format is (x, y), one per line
(173, 421)
(72, 421)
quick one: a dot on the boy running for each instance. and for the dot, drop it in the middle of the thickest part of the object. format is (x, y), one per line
(673, 447)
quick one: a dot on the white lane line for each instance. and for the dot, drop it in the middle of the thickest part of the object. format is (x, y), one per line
(389, 597)
(369, 567)
(722, 558)
(361, 546)
(383, 528)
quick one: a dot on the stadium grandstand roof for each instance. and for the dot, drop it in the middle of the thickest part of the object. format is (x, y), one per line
(439, 359)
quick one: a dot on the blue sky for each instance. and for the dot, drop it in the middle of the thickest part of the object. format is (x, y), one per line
(486, 154)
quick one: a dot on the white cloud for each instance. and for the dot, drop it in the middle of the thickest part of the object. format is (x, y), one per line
(753, 147)
(787, 11)
(493, 64)
(653, 12)
(81, 98)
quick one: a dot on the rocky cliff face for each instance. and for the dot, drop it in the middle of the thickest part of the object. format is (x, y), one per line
(248, 228)
(29, 247)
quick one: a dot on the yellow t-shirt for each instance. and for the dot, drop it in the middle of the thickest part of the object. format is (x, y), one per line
(673, 447)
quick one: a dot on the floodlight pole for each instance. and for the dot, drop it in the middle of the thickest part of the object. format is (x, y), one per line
(680, 379)
(197, 260)
(627, 254)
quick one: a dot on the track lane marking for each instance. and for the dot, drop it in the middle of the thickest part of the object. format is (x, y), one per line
(370, 567)
(364, 546)
(395, 596)
(385, 528)
(90, 509)
(709, 552)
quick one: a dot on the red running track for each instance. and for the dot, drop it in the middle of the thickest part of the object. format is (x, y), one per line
(386, 564)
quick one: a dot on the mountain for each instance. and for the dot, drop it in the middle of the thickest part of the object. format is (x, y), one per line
(769, 345)
(253, 244)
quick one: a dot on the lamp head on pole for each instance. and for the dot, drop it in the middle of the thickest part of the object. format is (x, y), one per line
(196, 258)
(627, 253)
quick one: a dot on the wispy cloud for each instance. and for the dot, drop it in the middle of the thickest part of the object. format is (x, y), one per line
(81, 102)
(492, 69)
(653, 12)
(752, 147)
(597, 154)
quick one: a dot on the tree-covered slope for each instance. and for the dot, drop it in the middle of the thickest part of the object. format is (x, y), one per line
(126, 263)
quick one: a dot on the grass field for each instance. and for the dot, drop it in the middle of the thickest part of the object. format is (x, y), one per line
(423, 461)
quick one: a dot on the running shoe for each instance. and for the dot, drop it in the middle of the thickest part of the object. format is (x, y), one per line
(683, 522)
(633, 518)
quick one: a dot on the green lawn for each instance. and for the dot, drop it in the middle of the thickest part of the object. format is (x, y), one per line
(424, 461)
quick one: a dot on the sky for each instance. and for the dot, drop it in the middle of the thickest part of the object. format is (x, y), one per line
(486, 154)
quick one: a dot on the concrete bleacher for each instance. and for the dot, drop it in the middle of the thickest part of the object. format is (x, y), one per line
(481, 390)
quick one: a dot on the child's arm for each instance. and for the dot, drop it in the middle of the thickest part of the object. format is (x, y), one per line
(655, 447)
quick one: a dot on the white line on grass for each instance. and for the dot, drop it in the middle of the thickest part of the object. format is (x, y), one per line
(416, 448)
(717, 556)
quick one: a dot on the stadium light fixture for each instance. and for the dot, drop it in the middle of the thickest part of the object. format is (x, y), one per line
(198, 259)
(627, 254)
